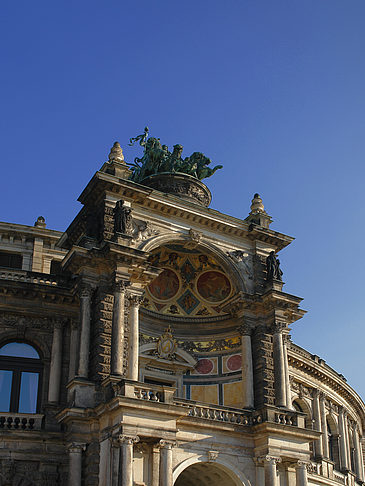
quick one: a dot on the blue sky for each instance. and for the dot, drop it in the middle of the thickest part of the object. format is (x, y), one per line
(273, 90)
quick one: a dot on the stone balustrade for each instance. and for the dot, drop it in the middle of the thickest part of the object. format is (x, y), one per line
(286, 418)
(144, 391)
(165, 394)
(149, 393)
(218, 414)
(18, 421)
(28, 277)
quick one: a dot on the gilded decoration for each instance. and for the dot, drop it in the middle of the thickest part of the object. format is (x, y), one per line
(191, 284)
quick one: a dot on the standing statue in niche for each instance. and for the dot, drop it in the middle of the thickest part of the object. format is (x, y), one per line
(123, 219)
(273, 267)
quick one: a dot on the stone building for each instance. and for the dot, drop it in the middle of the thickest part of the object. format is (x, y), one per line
(149, 344)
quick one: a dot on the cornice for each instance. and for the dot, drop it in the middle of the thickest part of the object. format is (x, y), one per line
(174, 207)
(315, 367)
(29, 230)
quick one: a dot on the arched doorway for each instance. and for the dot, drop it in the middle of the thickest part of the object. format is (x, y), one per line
(207, 474)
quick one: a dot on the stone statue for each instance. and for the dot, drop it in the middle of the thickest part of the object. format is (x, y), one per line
(123, 219)
(157, 159)
(273, 267)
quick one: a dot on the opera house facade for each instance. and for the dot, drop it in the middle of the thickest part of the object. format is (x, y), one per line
(149, 344)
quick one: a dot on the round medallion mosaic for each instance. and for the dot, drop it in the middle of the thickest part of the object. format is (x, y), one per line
(213, 286)
(165, 286)
(234, 362)
(204, 366)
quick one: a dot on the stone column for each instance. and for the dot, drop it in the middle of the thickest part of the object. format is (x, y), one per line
(104, 463)
(133, 354)
(286, 372)
(247, 369)
(155, 466)
(347, 439)
(301, 473)
(270, 462)
(343, 444)
(85, 311)
(117, 351)
(115, 462)
(324, 425)
(166, 462)
(75, 463)
(317, 424)
(279, 366)
(56, 363)
(126, 472)
(358, 455)
(74, 346)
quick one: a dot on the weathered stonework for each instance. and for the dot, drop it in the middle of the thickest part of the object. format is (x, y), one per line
(164, 350)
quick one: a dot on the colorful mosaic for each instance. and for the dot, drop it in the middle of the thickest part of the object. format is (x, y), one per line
(213, 286)
(165, 286)
(191, 283)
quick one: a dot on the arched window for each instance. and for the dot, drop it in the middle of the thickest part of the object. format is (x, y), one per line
(332, 437)
(20, 373)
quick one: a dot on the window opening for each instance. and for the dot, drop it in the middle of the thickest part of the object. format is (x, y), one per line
(11, 260)
(20, 373)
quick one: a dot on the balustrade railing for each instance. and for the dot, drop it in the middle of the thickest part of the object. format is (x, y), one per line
(218, 414)
(154, 394)
(28, 277)
(15, 421)
(287, 418)
(199, 410)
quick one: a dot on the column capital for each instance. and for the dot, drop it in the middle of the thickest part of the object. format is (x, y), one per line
(120, 285)
(74, 324)
(58, 323)
(76, 447)
(278, 327)
(167, 444)
(135, 300)
(212, 456)
(302, 464)
(128, 439)
(268, 459)
(85, 291)
(245, 329)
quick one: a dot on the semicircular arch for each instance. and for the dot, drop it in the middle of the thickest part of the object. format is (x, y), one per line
(227, 262)
(238, 477)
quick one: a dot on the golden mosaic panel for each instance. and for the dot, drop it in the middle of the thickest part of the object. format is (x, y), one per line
(191, 284)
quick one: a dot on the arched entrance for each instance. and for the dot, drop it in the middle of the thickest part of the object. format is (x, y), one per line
(207, 474)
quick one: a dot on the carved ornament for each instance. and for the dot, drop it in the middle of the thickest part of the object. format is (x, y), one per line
(76, 447)
(166, 345)
(212, 456)
(167, 444)
(128, 439)
(244, 329)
